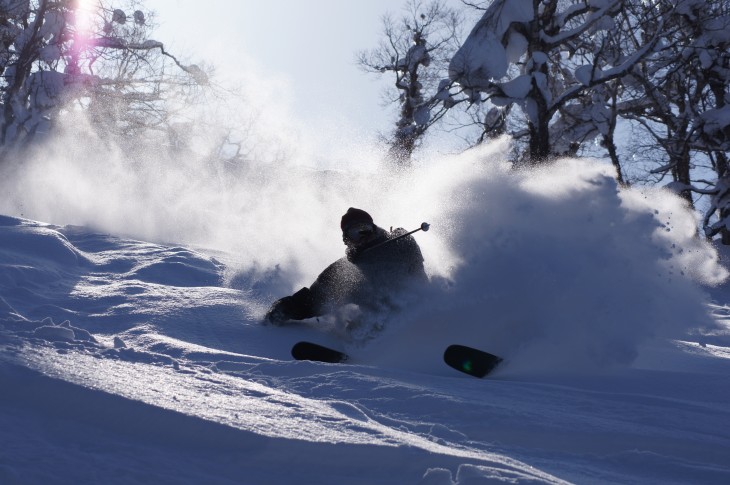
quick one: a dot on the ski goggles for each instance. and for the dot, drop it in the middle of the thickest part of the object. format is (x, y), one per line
(356, 232)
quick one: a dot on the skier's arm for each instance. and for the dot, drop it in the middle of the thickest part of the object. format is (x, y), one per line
(298, 306)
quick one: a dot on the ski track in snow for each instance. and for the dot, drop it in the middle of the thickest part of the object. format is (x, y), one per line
(123, 361)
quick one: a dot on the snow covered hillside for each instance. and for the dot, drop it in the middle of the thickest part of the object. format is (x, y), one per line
(125, 361)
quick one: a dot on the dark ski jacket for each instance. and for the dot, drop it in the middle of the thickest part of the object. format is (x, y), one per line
(367, 276)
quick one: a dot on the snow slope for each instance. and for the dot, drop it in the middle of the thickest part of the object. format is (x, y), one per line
(125, 361)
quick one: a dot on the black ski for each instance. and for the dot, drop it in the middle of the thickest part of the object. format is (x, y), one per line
(470, 361)
(465, 359)
(318, 353)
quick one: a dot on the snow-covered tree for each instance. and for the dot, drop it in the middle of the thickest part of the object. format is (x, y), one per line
(415, 50)
(556, 74)
(673, 93)
(54, 53)
(554, 60)
(710, 47)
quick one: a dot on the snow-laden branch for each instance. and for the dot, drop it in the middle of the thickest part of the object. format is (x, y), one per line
(119, 43)
(600, 77)
(597, 16)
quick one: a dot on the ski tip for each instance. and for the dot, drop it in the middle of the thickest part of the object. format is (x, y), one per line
(317, 353)
(471, 361)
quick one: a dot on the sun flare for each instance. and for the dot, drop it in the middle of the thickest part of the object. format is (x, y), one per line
(84, 15)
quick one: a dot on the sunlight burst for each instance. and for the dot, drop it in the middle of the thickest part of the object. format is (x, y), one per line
(84, 13)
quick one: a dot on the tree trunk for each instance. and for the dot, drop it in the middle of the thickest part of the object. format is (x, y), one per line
(539, 127)
(681, 173)
(539, 142)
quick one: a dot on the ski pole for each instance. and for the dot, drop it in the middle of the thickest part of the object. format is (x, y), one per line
(424, 227)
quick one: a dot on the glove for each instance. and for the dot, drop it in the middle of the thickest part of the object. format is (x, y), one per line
(276, 314)
(295, 307)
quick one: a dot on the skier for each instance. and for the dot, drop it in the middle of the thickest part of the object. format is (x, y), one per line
(372, 270)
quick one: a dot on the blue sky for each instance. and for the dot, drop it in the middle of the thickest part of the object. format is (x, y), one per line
(305, 49)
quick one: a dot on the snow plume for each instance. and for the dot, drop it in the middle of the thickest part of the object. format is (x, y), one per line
(556, 268)
(270, 208)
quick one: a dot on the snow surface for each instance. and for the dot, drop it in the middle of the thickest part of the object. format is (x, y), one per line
(129, 361)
